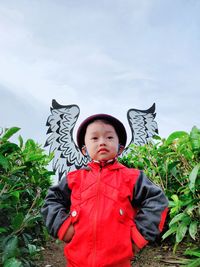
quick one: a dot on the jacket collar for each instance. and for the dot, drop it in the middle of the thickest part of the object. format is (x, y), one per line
(111, 165)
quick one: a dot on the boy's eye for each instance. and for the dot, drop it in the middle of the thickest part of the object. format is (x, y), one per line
(94, 138)
(110, 137)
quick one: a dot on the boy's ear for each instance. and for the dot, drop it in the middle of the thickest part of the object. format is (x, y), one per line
(84, 150)
(121, 148)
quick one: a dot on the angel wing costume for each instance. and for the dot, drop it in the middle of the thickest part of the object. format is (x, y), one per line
(67, 155)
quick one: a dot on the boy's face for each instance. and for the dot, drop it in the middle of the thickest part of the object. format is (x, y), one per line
(101, 141)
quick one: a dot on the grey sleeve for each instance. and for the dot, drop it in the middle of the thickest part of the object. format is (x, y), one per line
(152, 205)
(56, 206)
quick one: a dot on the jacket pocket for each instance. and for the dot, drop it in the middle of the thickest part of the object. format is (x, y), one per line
(74, 217)
(125, 223)
(125, 215)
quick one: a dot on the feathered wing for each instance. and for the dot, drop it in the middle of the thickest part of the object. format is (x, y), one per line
(142, 124)
(61, 122)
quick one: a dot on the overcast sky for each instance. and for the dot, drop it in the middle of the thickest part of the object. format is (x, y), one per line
(103, 55)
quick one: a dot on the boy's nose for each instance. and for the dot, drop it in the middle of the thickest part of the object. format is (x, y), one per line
(102, 142)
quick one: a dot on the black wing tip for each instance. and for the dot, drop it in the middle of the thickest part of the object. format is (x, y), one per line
(61, 175)
(56, 105)
(46, 144)
(49, 130)
(149, 110)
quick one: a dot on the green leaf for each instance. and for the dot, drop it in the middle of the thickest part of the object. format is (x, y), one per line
(172, 165)
(190, 209)
(172, 230)
(195, 138)
(32, 249)
(12, 262)
(8, 148)
(156, 137)
(30, 219)
(11, 248)
(3, 230)
(16, 194)
(27, 238)
(193, 176)
(181, 231)
(17, 221)
(194, 263)
(177, 218)
(18, 169)
(20, 141)
(175, 135)
(192, 252)
(30, 145)
(193, 229)
(35, 157)
(175, 198)
(10, 132)
(4, 162)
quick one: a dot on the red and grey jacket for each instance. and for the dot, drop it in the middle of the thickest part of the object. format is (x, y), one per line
(110, 207)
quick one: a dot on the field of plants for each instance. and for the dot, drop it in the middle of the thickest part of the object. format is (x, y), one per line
(172, 163)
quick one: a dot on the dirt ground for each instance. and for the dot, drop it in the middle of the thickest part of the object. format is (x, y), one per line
(155, 255)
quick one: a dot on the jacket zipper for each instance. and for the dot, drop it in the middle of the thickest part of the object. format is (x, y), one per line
(95, 219)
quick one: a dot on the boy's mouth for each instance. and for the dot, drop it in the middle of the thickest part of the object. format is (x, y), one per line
(103, 150)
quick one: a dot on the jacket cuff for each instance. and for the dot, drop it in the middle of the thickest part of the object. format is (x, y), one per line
(63, 229)
(137, 238)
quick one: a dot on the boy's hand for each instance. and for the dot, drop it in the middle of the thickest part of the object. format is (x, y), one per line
(69, 234)
(135, 248)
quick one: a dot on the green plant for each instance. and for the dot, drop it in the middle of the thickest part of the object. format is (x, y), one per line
(194, 258)
(184, 201)
(24, 180)
(174, 164)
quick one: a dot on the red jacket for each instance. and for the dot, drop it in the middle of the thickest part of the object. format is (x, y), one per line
(110, 207)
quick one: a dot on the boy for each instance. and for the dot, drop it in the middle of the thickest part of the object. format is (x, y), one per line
(105, 212)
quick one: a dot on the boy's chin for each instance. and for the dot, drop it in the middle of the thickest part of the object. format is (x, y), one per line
(105, 158)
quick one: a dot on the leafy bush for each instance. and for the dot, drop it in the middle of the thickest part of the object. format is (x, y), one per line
(24, 180)
(174, 164)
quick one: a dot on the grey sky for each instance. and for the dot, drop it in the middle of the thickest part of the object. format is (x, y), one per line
(105, 56)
